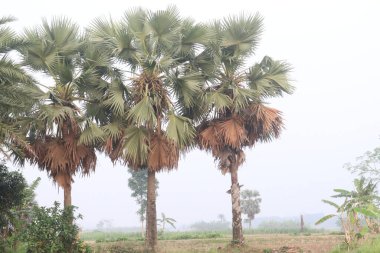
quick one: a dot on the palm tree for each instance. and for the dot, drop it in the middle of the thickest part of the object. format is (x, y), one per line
(17, 93)
(237, 115)
(57, 127)
(143, 106)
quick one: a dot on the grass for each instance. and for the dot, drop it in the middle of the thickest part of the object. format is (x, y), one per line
(372, 245)
(99, 236)
(211, 242)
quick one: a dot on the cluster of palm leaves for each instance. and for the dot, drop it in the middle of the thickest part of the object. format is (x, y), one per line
(142, 89)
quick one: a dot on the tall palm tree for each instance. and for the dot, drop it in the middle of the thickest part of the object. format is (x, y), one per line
(17, 93)
(56, 128)
(237, 116)
(144, 109)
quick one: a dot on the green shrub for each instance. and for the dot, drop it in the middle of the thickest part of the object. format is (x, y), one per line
(52, 230)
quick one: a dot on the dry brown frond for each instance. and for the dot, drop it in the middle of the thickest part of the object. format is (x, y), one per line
(163, 153)
(113, 148)
(232, 131)
(262, 123)
(62, 158)
(209, 137)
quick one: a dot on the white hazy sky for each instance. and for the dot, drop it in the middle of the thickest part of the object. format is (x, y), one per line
(333, 117)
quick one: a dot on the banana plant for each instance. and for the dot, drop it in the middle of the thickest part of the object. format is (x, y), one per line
(358, 204)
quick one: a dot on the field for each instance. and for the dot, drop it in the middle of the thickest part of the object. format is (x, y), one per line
(182, 242)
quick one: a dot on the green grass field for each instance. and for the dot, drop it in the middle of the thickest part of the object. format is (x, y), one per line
(213, 242)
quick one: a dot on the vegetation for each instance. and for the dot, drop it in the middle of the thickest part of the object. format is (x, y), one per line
(367, 165)
(143, 90)
(358, 204)
(250, 203)
(52, 230)
(164, 219)
(236, 115)
(370, 246)
(144, 116)
(17, 91)
(12, 193)
(138, 183)
(56, 125)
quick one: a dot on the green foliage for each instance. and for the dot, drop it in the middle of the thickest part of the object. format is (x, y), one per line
(100, 236)
(12, 186)
(12, 194)
(358, 205)
(370, 246)
(250, 204)
(138, 184)
(52, 230)
(164, 219)
(367, 165)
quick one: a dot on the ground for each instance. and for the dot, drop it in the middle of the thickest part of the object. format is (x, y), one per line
(265, 243)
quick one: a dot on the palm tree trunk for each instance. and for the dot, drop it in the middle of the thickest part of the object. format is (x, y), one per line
(67, 195)
(237, 229)
(151, 216)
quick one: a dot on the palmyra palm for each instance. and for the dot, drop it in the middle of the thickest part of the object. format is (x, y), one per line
(57, 125)
(143, 110)
(238, 116)
(17, 94)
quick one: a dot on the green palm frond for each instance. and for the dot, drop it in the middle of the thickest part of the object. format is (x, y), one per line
(240, 35)
(270, 78)
(52, 47)
(164, 25)
(12, 73)
(180, 130)
(8, 38)
(143, 112)
(4, 20)
(115, 99)
(193, 37)
(219, 100)
(113, 130)
(135, 19)
(55, 114)
(91, 135)
(186, 88)
(135, 150)
(241, 97)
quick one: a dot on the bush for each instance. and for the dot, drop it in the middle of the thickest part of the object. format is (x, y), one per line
(52, 230)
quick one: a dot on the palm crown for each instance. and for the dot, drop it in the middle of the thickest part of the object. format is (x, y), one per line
(148, 104)
(235, 95)
(55, 50)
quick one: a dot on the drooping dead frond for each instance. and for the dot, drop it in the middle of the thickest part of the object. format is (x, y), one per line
(232, 132)
(163, 153)
(62, 158)
(262, 123)
(209, 137)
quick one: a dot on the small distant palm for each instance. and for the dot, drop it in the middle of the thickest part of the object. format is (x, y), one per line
(165, 220)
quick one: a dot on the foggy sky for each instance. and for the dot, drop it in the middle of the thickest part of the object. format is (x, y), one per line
(333, 116)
